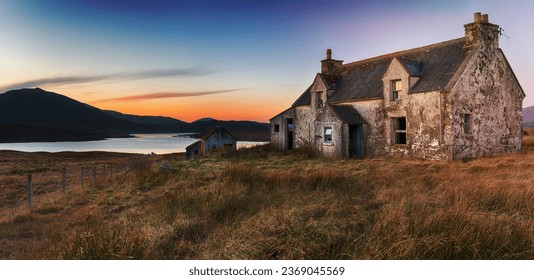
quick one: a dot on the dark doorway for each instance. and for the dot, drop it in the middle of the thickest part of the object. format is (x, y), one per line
(356, 141)
(289, 134)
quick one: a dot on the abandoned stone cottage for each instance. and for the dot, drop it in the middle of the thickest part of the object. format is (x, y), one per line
(454, 99)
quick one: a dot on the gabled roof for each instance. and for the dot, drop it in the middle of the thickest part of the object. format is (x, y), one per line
(206, 135)
(348, 114)
(435, 65)
(304, 99)
(413, 68)
(192, 145)
(283, 112)
(331, 82)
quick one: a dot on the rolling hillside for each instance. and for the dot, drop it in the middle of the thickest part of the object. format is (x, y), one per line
(28, 115)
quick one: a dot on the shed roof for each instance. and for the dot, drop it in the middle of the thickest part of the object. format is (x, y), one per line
(348, 114)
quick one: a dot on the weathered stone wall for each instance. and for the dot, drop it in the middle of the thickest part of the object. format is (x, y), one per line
(489, 92)
(278, 139)
(304, 130)
(374, 132)
(327, 118)
(423, 121)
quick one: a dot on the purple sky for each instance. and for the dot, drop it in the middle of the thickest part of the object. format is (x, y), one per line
(237, 59)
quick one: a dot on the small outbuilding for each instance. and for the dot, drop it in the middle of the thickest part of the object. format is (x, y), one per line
(217, 138)
(194, 150)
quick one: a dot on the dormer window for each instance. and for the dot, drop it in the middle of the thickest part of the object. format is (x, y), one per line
(396, 87)
(320, 101)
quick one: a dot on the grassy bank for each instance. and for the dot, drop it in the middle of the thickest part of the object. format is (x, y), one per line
(262, 204)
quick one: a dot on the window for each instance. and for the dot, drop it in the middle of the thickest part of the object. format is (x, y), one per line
(328, 134)
(399, 129)
(467, 123)
(396, 87)
(195, 152)
(320, 101)
(276, 128)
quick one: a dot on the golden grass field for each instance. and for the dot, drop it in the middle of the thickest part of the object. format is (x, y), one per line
(262, 204)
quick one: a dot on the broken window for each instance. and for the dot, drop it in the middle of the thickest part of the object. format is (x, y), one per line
(290, 127)
(276, 128)
(396, 87)
(467, 123)
(399, 129)
(320, 102)
(328, 134)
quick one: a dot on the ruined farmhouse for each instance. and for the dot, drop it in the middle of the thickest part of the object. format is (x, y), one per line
(216, 138)
(454, 99)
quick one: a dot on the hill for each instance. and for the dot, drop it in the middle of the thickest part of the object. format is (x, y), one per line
(528, 116)
(29, 115)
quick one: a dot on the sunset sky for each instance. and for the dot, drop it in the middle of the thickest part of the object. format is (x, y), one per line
(237, 59)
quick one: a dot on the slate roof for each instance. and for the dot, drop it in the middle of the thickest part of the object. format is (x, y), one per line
(435, 65)
(207, 135)
(348, 114)
(412, 67)
(304, 99)
(196, 143)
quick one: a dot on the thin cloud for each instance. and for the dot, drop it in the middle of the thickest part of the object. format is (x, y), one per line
(161, 95)
(122, 76)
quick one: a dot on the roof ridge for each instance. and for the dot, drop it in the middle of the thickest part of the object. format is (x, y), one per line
(399, 53)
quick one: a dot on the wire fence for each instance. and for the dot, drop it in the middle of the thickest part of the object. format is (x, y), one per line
(79, 176)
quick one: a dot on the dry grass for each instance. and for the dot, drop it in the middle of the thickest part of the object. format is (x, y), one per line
(261, 204)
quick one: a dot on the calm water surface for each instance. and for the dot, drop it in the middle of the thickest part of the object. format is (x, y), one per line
(162, 143)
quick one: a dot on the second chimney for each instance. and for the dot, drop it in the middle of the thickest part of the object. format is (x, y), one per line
(329, 64)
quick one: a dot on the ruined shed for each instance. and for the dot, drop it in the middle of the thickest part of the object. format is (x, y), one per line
(216, 138)
(453, 99)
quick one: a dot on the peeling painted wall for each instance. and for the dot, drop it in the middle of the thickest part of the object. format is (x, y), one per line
(278, 139)
(327, 118)
(422, 113)
(489, 92)
(374, 133)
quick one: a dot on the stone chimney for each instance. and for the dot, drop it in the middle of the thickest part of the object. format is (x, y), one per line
(329, 64)
(481, 32)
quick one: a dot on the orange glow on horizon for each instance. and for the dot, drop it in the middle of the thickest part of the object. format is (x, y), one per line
(190, 114)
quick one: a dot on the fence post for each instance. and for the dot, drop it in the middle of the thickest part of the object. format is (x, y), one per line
(81, 176)
(30, 190)
(64, 181)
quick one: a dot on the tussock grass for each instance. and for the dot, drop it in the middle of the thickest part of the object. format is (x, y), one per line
(262, 204)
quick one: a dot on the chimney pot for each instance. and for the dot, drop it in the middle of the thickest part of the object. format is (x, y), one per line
(477, 17)
(328, 54)
(485, 18)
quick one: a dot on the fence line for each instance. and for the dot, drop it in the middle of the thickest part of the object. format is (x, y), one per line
(120, 168)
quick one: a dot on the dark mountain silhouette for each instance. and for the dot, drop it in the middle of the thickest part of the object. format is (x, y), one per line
(39, 115)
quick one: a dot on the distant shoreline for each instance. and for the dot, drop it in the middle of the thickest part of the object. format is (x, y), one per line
(75, 138)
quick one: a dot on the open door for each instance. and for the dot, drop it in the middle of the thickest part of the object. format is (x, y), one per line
(356, 141)
(289, 134)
